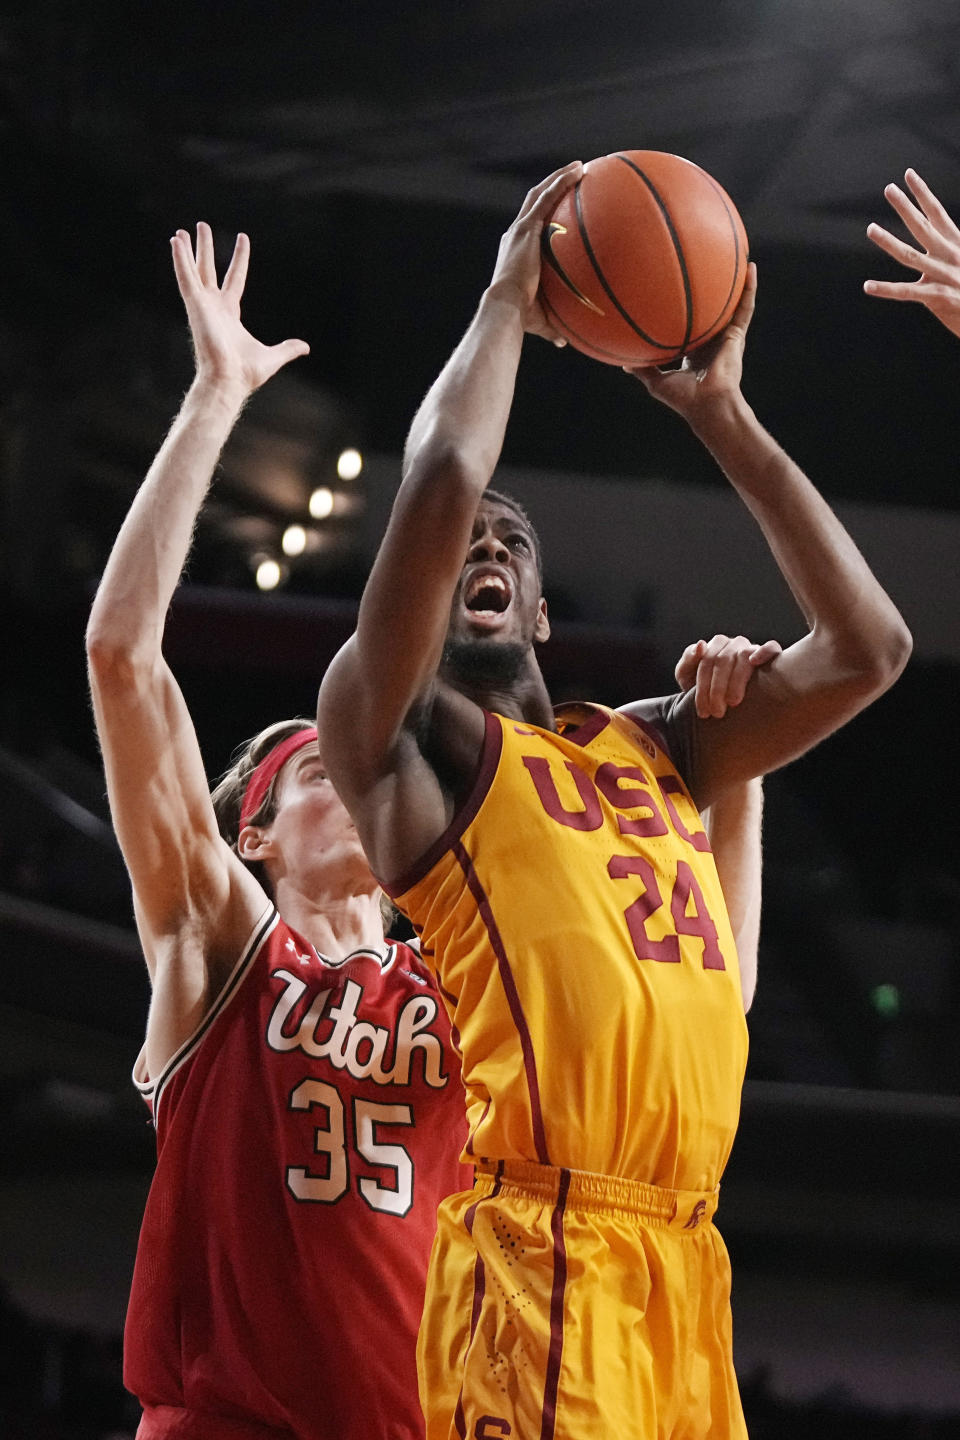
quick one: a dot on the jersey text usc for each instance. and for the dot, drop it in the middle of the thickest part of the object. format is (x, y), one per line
(581, 940)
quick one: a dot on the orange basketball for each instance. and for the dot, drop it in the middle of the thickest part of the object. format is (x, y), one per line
(643, 260)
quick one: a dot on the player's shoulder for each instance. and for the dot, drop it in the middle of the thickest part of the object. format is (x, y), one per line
(668, 721)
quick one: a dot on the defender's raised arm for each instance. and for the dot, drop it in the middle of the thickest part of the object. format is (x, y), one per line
(184, 876)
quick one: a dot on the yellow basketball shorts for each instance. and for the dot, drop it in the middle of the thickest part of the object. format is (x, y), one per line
(567, 1306)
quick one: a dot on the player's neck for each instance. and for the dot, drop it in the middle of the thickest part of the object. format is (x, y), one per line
(520, 697)
(334, 925)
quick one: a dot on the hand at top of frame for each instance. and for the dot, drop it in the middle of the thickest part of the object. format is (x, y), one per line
(517, 272)
(226, 353)
(721, 669)
(937, 259)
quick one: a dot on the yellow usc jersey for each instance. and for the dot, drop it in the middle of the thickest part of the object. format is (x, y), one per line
(578, 929)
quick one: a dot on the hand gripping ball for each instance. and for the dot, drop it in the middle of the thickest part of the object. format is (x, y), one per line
(643, 260)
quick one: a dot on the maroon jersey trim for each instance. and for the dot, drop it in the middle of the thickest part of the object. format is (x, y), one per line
(485, 910)
(590, 728)
(479, 1288)
(557, 1297)
(489, 760)
(239, 973)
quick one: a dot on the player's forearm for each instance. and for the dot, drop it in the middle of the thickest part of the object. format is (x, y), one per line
(844, 605)
(151, 549)
(733, 825)
(465, 412)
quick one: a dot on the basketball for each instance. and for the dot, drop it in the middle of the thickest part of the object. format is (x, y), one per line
(643, 260)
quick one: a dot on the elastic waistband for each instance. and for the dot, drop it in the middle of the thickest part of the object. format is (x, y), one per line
(684, 1210)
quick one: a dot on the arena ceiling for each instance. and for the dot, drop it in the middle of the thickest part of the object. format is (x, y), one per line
(803, 107)
(375, 152)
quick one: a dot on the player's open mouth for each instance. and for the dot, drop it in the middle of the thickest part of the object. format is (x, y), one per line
(487, 596)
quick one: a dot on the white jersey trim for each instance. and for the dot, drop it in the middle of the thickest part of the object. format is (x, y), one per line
(153, 1089)
(385, 961)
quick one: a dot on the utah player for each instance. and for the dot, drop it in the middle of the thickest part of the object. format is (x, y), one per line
(564, 888)
(307, 1099)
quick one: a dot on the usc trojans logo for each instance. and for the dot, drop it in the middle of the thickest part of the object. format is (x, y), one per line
(696, 1215)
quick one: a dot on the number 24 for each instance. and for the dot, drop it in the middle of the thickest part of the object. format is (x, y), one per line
(700, 923)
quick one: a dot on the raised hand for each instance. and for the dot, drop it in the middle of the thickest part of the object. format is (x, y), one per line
(937, 260)
(517, 271)
(721, 669)
(709, 375)
(226, 353)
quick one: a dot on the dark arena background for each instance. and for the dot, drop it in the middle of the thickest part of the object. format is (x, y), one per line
(375, 153)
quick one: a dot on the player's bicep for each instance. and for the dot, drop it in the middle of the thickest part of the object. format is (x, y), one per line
(391, 661)
(356, 736)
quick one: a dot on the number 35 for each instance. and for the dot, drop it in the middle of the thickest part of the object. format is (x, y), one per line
(331, 1140)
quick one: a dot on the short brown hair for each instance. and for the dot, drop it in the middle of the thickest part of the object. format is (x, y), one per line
(227, 795)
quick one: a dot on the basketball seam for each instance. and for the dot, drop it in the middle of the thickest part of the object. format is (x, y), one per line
(598, 351)
(722, 317)
(678, 249)
(690, 341)
(591, 256)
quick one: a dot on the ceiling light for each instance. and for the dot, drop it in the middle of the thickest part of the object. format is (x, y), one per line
(294, 540)
(321, 503)
(349, 464)
(269, 575)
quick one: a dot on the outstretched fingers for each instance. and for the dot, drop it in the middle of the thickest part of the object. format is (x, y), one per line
(911, 214)
(236, 276)
(224, 349)
(184, 265)
(206, 260)
(196, 270)
(928, 223)
(893, 289)
(933, 208)
(896, 248)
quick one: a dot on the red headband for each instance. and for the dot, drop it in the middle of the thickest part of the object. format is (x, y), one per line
(259, 782)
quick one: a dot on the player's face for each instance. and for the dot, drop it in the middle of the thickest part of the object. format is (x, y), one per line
(311, 830)
(498, 596)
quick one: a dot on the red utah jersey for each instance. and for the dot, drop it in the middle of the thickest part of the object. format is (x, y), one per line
(306, 1133)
